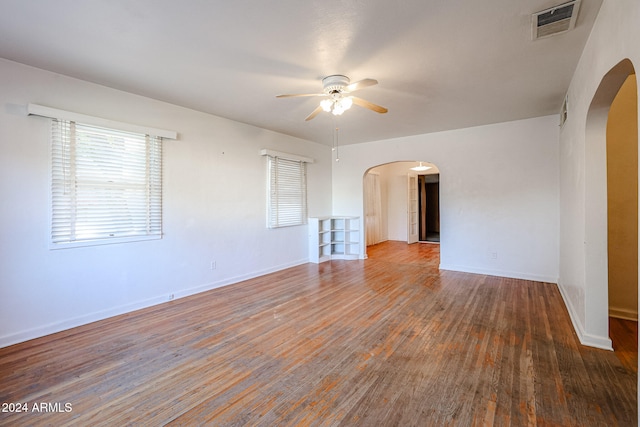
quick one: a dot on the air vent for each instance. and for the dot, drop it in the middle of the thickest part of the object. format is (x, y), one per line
(556, 20)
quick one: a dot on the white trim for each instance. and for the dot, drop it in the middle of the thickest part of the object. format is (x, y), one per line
(66, 324)
(500, 273)
(54, 113)
(100, 242)
(295, 157)
(603, 343)
(585, 338)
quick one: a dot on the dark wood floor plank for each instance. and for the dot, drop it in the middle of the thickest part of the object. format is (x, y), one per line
(624, 334)
(390, 340)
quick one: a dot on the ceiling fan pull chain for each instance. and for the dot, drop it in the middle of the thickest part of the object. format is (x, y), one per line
(336, 135)
(333, 133)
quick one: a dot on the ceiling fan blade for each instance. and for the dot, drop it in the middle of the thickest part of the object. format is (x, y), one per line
(370, 105)
(360, 85)
(314, 113)
(301, 94)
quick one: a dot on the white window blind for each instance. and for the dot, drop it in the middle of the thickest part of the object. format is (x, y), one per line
(106, 185)
(287, 192)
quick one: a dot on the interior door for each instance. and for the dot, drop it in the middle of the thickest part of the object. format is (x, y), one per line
(412, 208)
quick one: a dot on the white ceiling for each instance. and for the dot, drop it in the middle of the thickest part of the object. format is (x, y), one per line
(441, 64)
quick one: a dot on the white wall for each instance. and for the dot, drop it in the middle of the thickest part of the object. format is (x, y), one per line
(397, 200)
(498, 193)
(583, 256)
(213, 204)
(393, 195)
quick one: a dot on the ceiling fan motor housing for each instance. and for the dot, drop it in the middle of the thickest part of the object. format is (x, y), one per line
(335, 83)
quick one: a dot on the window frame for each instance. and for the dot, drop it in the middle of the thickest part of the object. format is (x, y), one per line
(160, 134)
(288, 165)
(150, 185)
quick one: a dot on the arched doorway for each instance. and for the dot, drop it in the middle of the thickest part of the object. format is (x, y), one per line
(606, 170)
(392, 205)
(622, 202)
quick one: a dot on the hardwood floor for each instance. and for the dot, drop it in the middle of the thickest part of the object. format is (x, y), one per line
(624, 334)
(388, 341)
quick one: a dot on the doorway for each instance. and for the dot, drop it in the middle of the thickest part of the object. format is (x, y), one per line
(622, 202)
(611, 210)
(429, 208)
(390, 200)
(622, 221)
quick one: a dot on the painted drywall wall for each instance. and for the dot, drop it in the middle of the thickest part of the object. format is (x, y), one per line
(622, 202)
(214, 208)
(498, 193)
(583, 235)
(396, 201)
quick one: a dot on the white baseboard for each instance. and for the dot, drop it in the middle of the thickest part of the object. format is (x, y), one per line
(500, 273)
(63, 325)
(73, 322)
(585, 338)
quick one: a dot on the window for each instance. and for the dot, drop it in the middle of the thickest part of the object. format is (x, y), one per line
(106, 185)
(287, 192)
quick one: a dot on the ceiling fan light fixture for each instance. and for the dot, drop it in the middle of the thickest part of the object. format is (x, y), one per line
(345, 103)
(337, 105)
(337, 110)
(335, 88)
(420, 168)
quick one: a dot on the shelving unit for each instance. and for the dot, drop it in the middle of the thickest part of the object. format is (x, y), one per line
(334, 237)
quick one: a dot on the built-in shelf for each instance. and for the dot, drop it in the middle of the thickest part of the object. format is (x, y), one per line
(334, 237)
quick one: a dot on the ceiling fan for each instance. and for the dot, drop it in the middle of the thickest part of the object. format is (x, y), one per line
(336, 89)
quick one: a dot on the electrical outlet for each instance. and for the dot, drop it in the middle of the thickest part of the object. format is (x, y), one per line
(171, 296)
(494, 255)
(213, 265)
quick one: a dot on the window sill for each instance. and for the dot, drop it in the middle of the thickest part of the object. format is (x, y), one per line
(101, 242)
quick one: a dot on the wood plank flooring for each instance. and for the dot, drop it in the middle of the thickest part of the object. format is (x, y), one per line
(624, 334)
(388, 341)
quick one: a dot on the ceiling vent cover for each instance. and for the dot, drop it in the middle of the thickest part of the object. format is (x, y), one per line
(557, 20)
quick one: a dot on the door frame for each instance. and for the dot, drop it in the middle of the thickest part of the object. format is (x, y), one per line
(413, 211)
